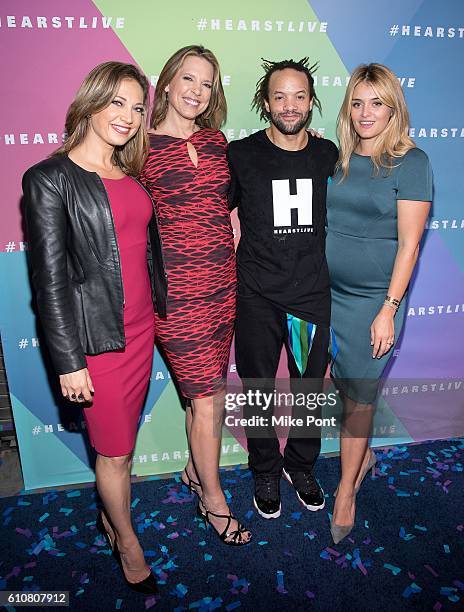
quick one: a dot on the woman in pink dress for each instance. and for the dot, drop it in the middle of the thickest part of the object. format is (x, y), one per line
(95, 252)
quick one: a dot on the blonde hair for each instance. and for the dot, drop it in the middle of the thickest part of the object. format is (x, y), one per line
(215, 114)
(394, 141)
(96, 93)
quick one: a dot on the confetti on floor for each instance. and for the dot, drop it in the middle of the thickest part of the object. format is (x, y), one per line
(405, 552)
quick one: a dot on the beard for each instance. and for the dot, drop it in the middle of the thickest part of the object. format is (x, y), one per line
(288, 129)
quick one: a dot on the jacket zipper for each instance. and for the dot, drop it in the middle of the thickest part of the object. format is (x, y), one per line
(116, 240)
(156, 222)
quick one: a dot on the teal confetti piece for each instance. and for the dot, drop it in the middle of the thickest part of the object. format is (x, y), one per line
(446, 548)
(44, 516)
(135, 502)
(73, 494)
(118, 604)
(67, 511)
(208, 557)
(394, 570)
(420, 528)
(263, 542)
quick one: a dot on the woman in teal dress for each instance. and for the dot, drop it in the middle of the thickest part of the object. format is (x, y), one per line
(377, 206)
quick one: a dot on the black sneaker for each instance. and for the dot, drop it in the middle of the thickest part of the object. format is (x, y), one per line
(308, 490)
(267, 495)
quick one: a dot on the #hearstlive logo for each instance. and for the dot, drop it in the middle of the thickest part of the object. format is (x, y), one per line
(26, 343)
(12, 246)
(426, 31)
(261, 25)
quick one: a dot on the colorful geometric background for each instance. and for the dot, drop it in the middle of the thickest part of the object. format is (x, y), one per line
(49, 46)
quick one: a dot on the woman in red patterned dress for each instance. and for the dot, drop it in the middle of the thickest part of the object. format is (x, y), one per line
(188, 177)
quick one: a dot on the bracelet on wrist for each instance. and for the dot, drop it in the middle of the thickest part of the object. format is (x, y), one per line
(390, 305)
(392, 300)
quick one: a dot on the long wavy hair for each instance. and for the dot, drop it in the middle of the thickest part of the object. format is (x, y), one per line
(394, 141)
(214, 116)
(96, 93)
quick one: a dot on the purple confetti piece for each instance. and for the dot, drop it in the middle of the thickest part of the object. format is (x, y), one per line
(150, 602)
(431, 570)
(24, 532)
(310, 595)
(233, 605)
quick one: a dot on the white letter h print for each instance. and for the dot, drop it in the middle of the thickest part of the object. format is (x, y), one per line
(284, 202)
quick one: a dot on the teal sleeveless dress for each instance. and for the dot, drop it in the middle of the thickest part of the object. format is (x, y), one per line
(362, 242)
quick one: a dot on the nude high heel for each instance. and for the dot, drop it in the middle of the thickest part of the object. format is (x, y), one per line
(369, 466)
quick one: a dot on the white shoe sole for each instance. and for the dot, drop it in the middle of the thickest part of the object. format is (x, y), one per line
(274, 515)
(307, 506)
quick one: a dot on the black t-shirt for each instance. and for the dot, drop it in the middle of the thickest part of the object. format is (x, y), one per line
(281, 199)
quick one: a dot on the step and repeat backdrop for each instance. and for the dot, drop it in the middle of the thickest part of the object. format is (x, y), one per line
(48, 46)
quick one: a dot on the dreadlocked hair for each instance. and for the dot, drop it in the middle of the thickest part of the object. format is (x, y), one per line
(262, 86)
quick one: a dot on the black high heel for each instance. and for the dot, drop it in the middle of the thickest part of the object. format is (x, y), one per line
(190, 483)
(236, 535)
(148, 585)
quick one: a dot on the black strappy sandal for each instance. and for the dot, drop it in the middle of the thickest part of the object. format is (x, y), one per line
(236, 536)
(190, 484)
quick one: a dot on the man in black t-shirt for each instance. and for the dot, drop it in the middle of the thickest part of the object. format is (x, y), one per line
(279, 183)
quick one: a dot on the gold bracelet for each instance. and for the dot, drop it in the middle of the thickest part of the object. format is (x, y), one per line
(391, 305)
(392, 300)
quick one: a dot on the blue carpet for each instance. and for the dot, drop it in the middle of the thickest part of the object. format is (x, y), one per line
(406, 552)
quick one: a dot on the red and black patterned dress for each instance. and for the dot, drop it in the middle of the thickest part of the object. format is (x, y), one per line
(198, 246)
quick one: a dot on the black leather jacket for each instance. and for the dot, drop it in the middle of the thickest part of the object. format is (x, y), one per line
(75, 264)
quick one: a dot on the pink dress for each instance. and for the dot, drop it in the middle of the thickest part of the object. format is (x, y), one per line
(121, 377)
